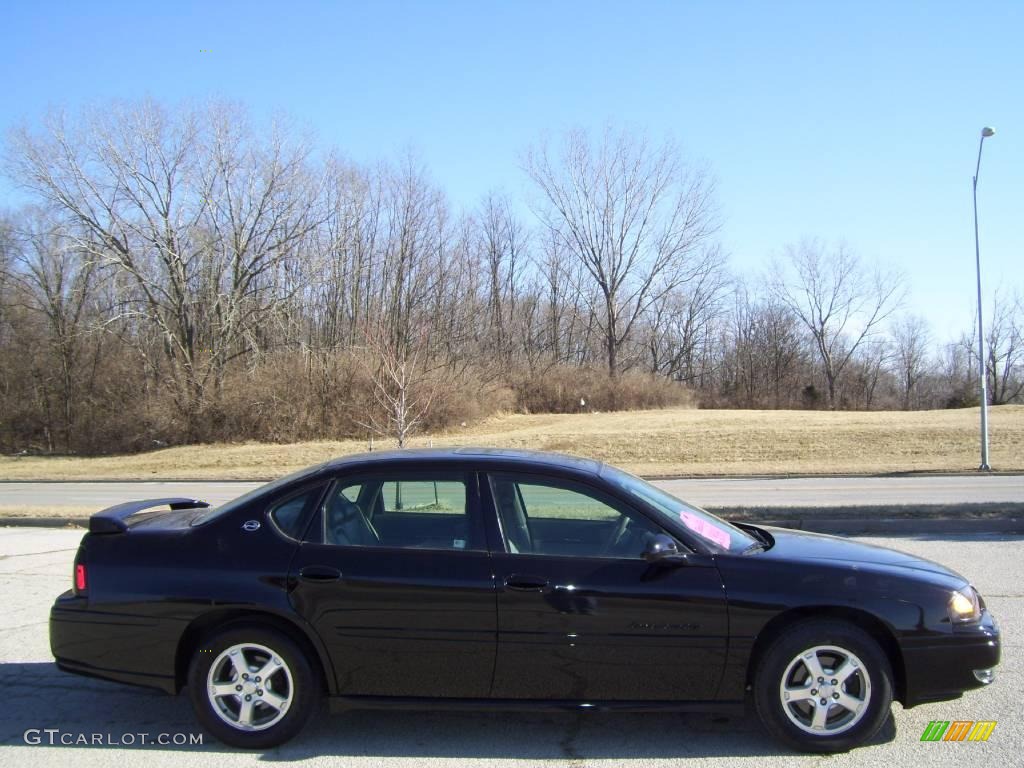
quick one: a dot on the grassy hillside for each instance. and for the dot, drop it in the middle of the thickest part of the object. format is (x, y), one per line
(667, 442)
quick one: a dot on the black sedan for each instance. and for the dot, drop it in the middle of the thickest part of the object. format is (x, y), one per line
(489, 578)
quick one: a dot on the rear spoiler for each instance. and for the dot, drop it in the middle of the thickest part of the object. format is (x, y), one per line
(114, 519)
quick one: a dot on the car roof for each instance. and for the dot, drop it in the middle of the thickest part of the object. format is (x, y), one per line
(479, 456)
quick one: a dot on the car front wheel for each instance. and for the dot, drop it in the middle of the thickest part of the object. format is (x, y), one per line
(823, 686)
(252, 687)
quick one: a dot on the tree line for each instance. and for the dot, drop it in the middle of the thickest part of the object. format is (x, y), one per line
(180, 276)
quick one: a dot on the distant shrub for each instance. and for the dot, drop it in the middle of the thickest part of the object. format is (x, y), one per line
(570, 389)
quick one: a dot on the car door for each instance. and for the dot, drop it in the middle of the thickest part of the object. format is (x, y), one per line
(582, 616)
(395, 577)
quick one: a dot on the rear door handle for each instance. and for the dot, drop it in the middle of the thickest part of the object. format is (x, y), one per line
(521, 583)
(319, 573)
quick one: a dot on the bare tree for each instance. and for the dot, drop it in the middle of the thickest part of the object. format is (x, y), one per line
(569, 325)
(760, 351)
(502, 244)
(958, 373)
(1005, 349)
(869, 367)
(8, 252)
(636, 218)
(235, 274)
(840, 302)
(912, 341)
(404, 383)
(55, 281)
(682, 323)
(195, 211)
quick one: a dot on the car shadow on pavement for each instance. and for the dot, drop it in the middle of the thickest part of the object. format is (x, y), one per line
(43, 697)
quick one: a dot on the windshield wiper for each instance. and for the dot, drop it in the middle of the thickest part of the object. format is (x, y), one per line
(757, 546)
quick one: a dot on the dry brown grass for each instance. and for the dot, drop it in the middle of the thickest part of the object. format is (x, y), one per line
(661, 442)
(70, 513)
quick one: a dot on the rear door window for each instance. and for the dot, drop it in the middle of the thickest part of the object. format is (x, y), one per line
(405, 511)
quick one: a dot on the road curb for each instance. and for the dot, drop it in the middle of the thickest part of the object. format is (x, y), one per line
(897, 526)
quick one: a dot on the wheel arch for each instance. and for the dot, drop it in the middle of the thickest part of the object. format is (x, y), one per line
(870, 623)
(204, 625)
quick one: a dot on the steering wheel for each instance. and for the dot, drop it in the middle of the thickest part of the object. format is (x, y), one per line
(617, 534)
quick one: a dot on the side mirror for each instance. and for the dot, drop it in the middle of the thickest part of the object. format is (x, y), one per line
(663, 549)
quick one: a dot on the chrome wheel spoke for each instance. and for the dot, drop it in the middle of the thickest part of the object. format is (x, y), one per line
(245, 713)
(845, 670)
(273, 664)
(848, 702)
(223, 689)
(238, 661)
(798, 693)
(810, 661)
(820, 715)
(274, 700)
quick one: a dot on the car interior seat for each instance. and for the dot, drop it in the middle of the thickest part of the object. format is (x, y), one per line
(347, 525)
(512, 516)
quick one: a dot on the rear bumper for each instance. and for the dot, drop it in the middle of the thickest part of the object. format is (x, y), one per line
(939, 670)
(114, 646)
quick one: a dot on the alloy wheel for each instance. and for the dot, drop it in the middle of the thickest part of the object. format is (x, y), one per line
(250, 687)
(825, 690)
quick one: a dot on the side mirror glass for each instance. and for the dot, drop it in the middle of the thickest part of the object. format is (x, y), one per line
(663, 549)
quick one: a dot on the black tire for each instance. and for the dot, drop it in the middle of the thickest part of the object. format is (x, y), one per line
(297, 686)
(784, 658)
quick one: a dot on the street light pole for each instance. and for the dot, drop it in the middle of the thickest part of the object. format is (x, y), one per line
(985, 133)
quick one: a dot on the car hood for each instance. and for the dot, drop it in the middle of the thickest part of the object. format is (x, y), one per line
(804, 546)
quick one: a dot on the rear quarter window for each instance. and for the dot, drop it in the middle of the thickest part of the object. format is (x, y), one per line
(291, 514)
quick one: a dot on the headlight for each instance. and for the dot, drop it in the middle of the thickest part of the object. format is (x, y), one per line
(964, 606)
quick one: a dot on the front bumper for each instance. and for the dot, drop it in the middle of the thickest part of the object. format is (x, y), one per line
(939, 669)
(112, 645)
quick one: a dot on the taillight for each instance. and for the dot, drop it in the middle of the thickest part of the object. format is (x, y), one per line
(80, 579)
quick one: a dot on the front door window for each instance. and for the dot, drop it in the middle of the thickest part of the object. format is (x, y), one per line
(547, 518)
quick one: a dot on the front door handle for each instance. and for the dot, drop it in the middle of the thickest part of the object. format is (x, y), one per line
(522, 583)
(319, 573)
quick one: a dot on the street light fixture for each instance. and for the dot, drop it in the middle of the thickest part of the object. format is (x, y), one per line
(986, 132)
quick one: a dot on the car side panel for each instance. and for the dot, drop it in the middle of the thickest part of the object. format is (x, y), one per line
(402, 622)
(131, 646)
(610, 629)
(147, 587)
(901, 610)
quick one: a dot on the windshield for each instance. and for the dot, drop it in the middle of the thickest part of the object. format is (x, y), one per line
(708, 528)
(231, 506)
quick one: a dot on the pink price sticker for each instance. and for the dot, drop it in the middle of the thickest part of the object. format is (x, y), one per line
(707, 530)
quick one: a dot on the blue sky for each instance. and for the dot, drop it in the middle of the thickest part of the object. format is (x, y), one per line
(838, 120)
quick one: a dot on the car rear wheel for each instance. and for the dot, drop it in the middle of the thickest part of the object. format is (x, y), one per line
(823, 686)
(252, 687)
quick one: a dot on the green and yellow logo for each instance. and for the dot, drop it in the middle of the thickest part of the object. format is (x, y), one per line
(958, 730)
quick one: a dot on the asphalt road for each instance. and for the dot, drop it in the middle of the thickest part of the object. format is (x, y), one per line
(35, 565)
(731, 492)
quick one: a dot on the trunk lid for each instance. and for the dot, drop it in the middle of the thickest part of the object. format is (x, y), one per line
(120, 518)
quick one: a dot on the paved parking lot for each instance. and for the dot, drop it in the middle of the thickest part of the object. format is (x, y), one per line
(35, 565)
